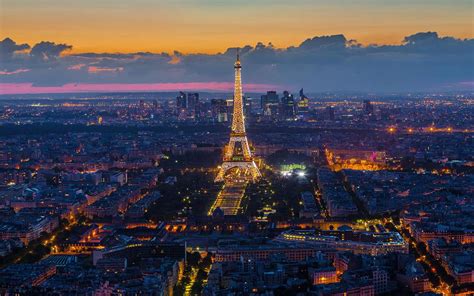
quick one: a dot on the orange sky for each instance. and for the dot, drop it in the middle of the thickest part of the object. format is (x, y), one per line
(211, 26)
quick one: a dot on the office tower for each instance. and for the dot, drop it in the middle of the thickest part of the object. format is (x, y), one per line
(303, 103)
(288, 105)
(330, 112)
(181, 101)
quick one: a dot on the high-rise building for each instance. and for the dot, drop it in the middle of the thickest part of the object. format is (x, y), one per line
(270, 98)
(288, 105)
(270, 104)
(219, 110)
(192, 101)
(303, 104)
(187, 105)
(248, 105)
(193, 105)
(330, 112)
(181, 102)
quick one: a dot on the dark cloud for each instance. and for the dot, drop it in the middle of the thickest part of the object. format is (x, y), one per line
(8, 47)
(421, 37)
(334, 42)
(431, 43)
(423, 61)
(46, 50)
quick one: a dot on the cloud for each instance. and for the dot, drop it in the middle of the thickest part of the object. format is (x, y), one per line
(421, 37)
(97, 70)
(14, 72)
(46, 50)
(76, 67)
(422, 61)
(334, 42)
(8, 47)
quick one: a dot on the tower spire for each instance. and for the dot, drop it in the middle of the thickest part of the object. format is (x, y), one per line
(237, 61)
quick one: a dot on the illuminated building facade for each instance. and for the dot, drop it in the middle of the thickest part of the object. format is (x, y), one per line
(324, 275)
(357, 242)
(303, 103)
(356, 159)
(262, 252)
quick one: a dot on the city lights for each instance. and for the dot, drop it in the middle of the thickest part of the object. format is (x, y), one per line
(329, 166)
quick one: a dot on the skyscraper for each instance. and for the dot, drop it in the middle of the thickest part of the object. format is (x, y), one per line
(330, 113)
(181, 101)
(187, 105)
(271, 98)
(303, 103)
(288, 105)
(270, 104)
(192, 101)
(219, 110)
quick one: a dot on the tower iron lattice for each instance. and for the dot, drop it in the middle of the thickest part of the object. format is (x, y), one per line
(237, 155)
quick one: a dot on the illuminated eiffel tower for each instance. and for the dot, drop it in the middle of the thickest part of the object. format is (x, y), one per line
(238, 160)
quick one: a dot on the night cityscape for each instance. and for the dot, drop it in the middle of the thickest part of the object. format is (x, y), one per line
(328, 168)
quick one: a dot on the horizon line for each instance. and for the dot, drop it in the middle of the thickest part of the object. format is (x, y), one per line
(26, 88)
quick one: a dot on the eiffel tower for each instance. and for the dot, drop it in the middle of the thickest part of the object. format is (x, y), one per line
(238, 160)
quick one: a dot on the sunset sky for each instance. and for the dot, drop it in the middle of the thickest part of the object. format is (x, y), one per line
(153, 45)
(210, 26)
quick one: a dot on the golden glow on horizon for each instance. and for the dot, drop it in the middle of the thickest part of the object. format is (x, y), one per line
(189, 26)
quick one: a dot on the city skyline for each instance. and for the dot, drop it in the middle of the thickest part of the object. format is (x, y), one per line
(363, 194)
(240, 148)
